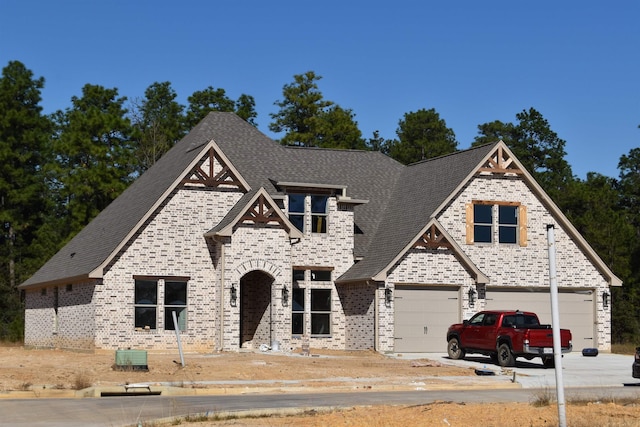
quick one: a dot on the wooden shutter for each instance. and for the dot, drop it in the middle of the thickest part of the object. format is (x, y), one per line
(469, 227)
(522, 224)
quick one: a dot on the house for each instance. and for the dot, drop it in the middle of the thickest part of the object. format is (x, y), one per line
(237, 241)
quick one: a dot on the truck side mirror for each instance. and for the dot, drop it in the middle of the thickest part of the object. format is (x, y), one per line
(465, 322)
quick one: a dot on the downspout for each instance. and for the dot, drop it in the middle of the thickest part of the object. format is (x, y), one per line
(222, 267)
(376, 322)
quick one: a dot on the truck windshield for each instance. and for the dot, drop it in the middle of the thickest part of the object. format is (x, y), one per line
(520, 321)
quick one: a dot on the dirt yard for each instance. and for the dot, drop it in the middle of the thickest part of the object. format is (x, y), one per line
(36, 369)
(23, 369)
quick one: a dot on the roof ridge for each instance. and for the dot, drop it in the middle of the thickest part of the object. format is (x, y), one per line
(466, 150)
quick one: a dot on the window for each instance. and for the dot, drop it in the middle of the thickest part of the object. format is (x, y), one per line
(320, 311)
(477, 319)
(490, 319)
(482, 223)
(298, 212)
(298, 275)
(321, 275)
(319, 214)
(297, 312)
(175, 300)
(507, 224)
(146, 300)
(504, 222)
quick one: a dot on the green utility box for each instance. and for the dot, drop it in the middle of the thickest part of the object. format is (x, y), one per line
(131, 360)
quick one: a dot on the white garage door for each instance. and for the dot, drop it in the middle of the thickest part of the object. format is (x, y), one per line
(422, 317)
(576, 310)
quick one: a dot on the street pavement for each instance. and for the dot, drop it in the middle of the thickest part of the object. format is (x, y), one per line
(603, 370)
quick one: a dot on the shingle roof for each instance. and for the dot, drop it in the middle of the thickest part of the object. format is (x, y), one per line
(418, 192)
(97, 241)
(401, 198)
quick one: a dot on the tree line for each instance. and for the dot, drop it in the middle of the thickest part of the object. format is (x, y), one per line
(59, 170)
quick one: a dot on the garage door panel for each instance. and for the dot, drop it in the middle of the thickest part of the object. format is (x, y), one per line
(576, 310)
(422, 316)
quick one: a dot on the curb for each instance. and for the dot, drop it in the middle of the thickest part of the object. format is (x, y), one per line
(155, 389)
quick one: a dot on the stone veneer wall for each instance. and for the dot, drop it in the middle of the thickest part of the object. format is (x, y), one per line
(171, 244)
(265, 249)
(527, 266)
(358, 301)
(72, 327)
(331, 249)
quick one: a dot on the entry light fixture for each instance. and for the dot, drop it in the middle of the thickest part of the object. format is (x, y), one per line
(234, 295)
(388, 296)
(285, 296)
(605, 299)
(472, 297)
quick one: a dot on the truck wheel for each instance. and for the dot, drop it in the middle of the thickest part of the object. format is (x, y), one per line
(505, 357)
(548, 362)
(454, 350)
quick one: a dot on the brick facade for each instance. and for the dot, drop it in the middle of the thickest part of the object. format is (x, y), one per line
(527, 266)
(236, 283)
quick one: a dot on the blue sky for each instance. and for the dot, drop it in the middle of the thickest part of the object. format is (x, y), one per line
(576, 62)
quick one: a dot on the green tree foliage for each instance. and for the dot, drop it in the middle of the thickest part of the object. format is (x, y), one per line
(338, 129)
(23, 136)
(629, 167)
(537, 147)
(626, 305)
(495, 131)
(308, 119)
(204, 101)
(594, 208)
(422, 135)
(299, 111)
(158, 122)
(246, 108)
(93, 154)
(378, 143)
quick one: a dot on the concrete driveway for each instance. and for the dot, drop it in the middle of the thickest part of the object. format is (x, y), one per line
(604, 370)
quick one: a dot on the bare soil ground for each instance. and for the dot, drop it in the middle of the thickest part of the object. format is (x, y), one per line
(24, 369)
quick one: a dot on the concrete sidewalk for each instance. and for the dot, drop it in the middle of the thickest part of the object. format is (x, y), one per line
(245, 387)
(604, 370)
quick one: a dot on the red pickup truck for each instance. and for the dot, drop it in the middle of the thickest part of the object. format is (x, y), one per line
(504, 335)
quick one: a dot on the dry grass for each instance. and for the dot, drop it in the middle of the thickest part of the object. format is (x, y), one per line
(82, 380)
(627, 348)
(451, 414)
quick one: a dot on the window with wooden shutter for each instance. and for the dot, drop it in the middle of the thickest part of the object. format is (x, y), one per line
(496, 221)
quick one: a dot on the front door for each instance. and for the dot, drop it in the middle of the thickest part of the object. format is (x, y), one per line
(256, 311)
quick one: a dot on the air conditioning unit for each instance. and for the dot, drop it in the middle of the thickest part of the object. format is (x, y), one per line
(131, 360)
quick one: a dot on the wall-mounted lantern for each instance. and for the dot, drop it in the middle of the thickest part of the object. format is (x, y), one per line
(388, 296)
(605, 299)
(285, 296)
(234, 295)
(472, 297)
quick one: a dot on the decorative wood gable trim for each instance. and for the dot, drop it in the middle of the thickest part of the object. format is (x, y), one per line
(261, 209)
(213, 171)
(262, 212)
(500, 162)
(432, 238)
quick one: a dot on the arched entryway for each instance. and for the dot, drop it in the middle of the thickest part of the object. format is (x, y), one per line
(256, 310)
